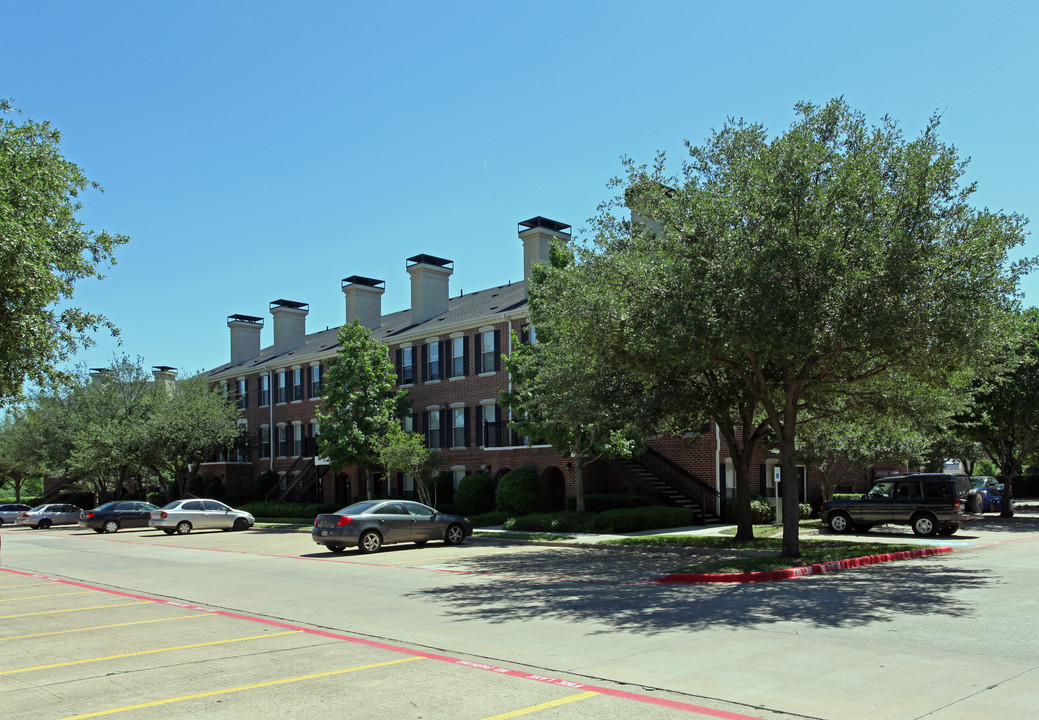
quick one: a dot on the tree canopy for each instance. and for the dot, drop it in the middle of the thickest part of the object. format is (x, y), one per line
(360, 401)
(1003, 415)
(807, 265)
(580, 403)
(44, 251)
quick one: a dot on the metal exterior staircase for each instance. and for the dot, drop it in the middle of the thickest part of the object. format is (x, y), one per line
(669, 483)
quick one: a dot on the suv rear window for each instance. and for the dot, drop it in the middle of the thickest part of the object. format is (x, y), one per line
(937, 489)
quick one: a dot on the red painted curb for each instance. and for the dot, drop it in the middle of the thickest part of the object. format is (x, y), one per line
(817, 569)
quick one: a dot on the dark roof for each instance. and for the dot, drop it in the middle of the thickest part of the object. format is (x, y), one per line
(469, 309)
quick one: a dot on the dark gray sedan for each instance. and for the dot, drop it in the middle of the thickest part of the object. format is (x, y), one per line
(371, 524)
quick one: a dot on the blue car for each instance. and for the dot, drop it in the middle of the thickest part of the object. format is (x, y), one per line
(991, 490)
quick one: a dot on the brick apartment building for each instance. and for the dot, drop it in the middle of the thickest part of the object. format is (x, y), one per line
(447, 352)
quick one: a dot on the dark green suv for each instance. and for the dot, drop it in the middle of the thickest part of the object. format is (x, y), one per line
(929, 503)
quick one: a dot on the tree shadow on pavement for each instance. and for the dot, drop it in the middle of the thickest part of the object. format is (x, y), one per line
(616, 589)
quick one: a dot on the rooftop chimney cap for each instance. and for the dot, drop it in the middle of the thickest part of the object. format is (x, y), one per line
(245, 318)
(361, 280)
(101, 370)
(543, 222)
(429, 260)
(289, 304)
(163, 368)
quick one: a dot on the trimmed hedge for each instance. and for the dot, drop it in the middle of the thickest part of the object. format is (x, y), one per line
(552, 522)
(601, 502)
(764, 513)
(623, 520)
(645, 518)
(303, 511)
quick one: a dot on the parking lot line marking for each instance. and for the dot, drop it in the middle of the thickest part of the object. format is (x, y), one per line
(26, 585)
(149, 652)
(240, 688)
(105, 627)
(37, 597)
(544, 706)
(52, 612)
(415, 654)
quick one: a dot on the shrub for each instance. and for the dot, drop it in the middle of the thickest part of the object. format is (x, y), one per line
(197, 486)
(215, 489)
(645, 518)
(475, 495)
(263, 484)
(517, 492)
(602, 503)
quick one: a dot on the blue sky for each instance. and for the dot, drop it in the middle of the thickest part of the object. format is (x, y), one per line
(257, 150)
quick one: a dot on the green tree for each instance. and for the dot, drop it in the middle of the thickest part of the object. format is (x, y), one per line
(1003, 416)
(20, 459)
(44, 251)
(189, 421)
(407, 453)
(810, 263)
(360, 402)
(580, 403)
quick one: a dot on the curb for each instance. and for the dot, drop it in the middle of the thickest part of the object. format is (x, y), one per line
(817, 569)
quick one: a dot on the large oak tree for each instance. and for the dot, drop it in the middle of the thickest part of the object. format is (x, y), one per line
(809, 264)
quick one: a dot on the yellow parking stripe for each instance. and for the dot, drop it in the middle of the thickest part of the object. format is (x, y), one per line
(544, 706)
(149, 652)
(225, 691)
(96, 607)
(37, 597)
(105, 627)
(27, 585)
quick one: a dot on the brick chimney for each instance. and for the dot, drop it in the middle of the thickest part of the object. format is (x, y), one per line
(245, 337)
(165, 376)
(537, 235)
(364, 300)
(290, 324)
(429, 286)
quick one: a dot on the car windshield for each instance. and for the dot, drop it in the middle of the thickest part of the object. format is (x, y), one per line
(106, 506)
(173, 505)
(358, 508)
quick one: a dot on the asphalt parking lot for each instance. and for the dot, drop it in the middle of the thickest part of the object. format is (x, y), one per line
(222, 624)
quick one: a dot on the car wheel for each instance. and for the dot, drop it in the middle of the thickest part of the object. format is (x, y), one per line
(43, 524)
(454, 535)
(840, 522)
(336, 548)
(975, 502)
(924, 525)
(169, 532)
(948, 529)
(183, 527)
(241, 524)
(369, 542)
(111, 526)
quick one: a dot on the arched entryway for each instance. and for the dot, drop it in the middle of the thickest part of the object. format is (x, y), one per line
(553, 490)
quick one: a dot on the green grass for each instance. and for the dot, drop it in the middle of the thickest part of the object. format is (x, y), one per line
(543, 537)
(761, 554)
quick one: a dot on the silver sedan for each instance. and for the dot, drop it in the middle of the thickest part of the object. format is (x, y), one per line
(43, 516)
(183, 516)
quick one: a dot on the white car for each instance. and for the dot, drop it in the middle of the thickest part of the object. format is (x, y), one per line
(43, 516)
(183, 516)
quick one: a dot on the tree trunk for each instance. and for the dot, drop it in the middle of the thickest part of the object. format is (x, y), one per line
(579, 462)
(788, 463)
